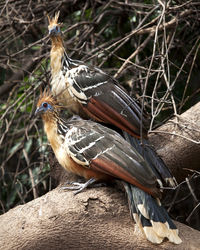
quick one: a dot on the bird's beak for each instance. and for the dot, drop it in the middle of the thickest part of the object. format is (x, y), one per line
(39, 111)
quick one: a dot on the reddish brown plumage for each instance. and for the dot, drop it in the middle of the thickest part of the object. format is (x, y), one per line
(72, 166)
(120, 173)
(103, 112)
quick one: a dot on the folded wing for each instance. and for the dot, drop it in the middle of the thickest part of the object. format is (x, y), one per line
(103, 150)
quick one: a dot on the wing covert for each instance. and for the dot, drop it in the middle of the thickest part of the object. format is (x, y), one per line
(104, 101)
(103, 150)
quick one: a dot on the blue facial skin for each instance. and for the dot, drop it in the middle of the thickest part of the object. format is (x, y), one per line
(43, 108)
(54, 31)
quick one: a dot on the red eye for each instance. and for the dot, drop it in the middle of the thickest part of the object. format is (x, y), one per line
(45, 105)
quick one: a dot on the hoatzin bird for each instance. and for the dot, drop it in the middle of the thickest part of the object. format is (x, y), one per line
(98, 153)
(91, 93)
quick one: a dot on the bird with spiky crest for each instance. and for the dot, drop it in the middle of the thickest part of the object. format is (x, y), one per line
(89, 87)
(98, 153)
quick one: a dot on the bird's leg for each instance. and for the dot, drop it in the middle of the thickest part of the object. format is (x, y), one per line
(79, 186)
(71, 182)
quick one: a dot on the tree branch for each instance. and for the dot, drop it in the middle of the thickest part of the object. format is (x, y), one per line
(169, 24)
(178, 143)
(95, 219)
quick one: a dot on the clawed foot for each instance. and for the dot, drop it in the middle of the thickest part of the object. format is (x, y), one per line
(79, 187)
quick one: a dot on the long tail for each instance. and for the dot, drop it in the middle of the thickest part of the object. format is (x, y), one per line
(150, 216)
(156, 163)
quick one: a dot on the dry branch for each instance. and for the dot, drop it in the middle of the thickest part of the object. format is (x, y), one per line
(166, 25)
(20, 74)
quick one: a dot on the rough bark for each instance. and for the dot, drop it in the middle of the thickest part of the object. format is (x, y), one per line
(95, 219)
(180, 153)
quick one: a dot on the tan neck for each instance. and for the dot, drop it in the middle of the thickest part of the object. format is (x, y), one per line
(56, 41)
(50, 127)
(57, 51)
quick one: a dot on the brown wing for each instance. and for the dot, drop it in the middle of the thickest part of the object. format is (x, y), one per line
(101, 149)
(110, 112)
(104, 101)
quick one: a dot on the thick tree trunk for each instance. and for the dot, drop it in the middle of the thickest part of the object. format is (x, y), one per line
(95, 219)
(178, 142)
(99, 217)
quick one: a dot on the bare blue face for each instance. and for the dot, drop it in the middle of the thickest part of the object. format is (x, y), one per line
(55, 31)
(44, 107)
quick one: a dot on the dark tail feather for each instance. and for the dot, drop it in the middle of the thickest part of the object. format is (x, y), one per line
(156, 163)
(150, 216)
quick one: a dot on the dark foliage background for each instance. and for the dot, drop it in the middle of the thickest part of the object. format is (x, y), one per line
(151, 47)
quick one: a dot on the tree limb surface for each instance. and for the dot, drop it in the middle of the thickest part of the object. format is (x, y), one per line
(95, 219)
(178, 142)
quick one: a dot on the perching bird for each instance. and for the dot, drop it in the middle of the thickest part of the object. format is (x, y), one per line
(91, 93)
(98, 153)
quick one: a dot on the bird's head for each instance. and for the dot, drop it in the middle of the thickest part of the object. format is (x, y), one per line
(46, 105)
(54, 26)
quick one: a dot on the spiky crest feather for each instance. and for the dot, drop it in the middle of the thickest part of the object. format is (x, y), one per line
(46, 96)
(54, 20)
